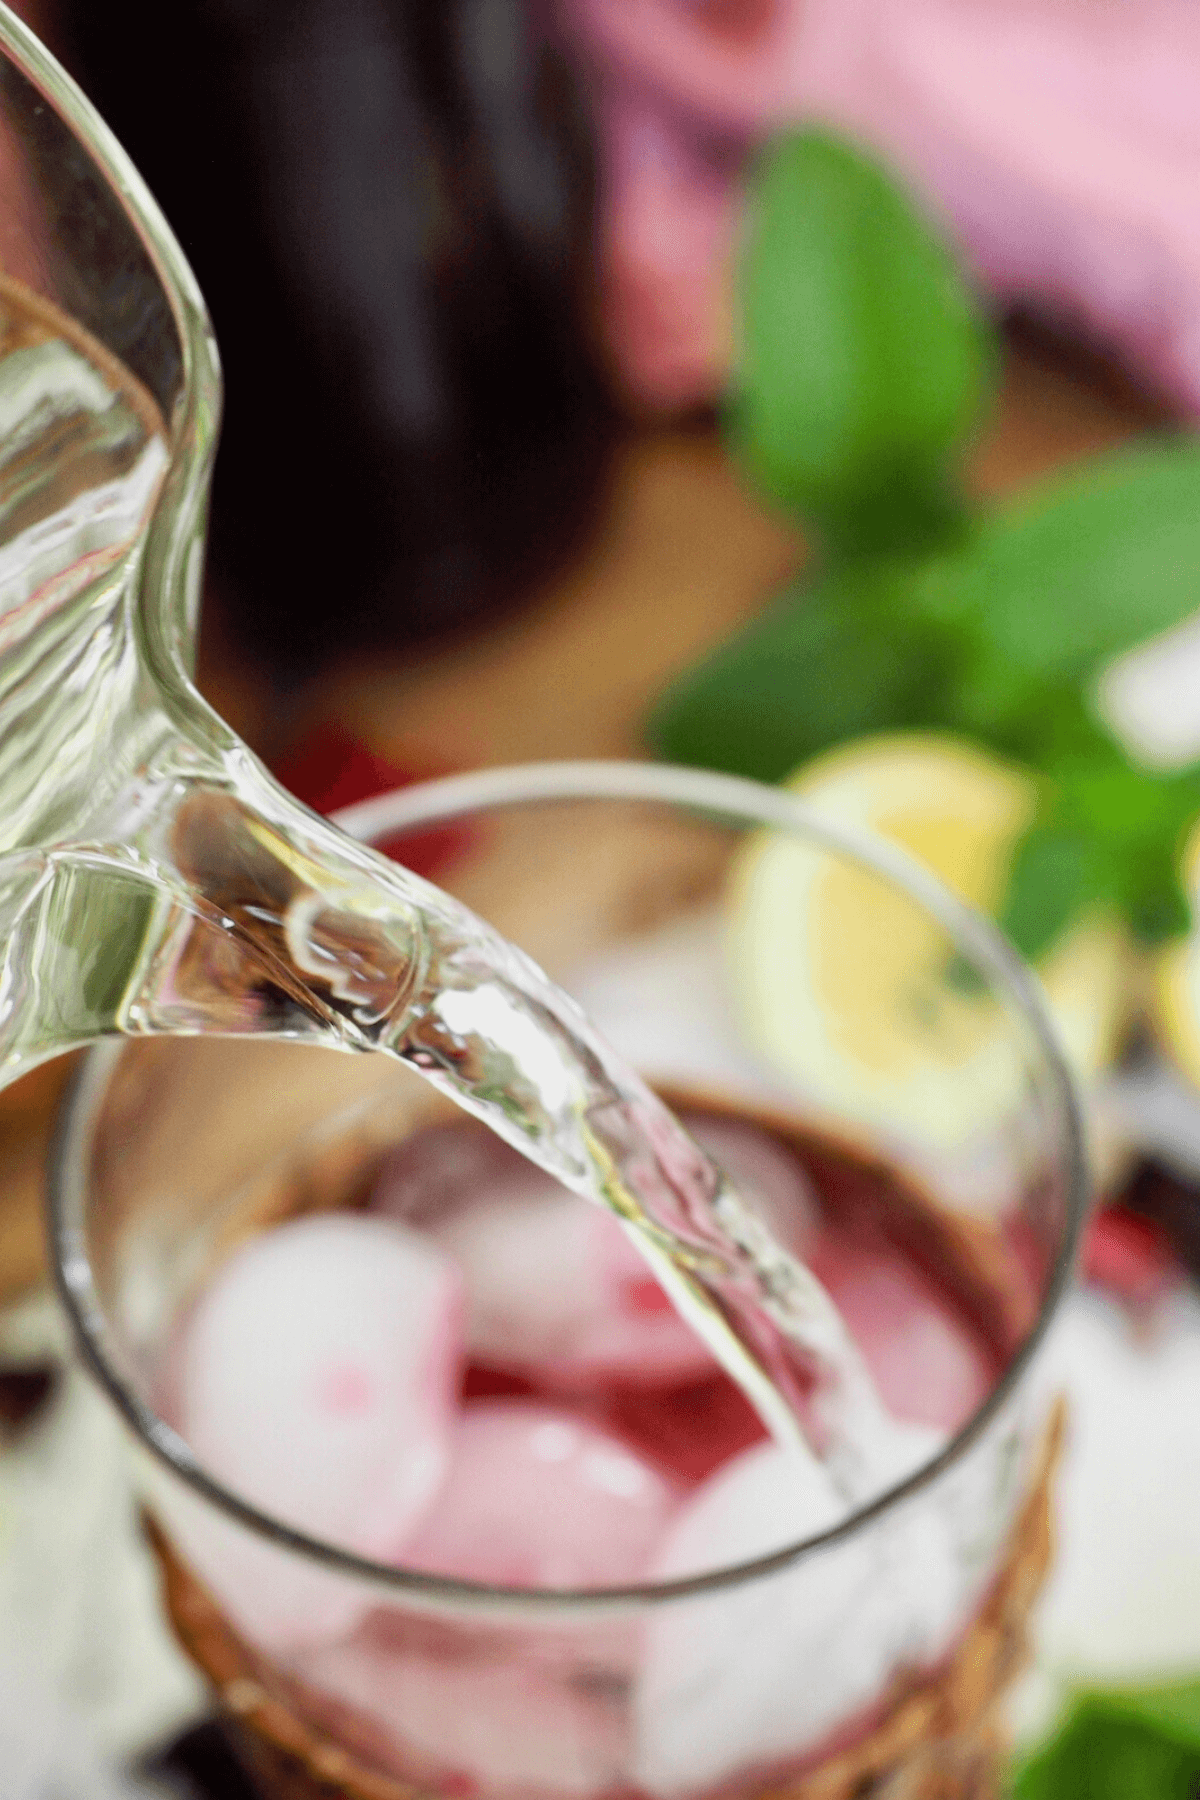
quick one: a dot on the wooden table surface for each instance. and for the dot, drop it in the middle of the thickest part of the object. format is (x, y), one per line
(682, 558)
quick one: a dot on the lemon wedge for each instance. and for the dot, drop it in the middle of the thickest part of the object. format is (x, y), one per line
(849, 988)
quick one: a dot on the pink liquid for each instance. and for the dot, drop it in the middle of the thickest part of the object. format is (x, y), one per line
(934, 1310)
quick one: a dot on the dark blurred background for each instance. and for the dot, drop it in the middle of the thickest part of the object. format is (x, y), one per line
(389, 210)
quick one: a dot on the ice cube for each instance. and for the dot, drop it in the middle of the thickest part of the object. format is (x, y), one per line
(928, 1367)
(440, 1168)
(537, 1498)
(277, 1598)
(766, 1669)
(534, 1497)
(513, 1714)
(556, 1289)
(316, 1379)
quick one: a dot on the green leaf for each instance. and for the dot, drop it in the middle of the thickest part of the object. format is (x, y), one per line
(1054, 874)
(1173, 1708)
(1056, 586)
(826, 664)
(864, 359)
(1108, 833)
(1105, 1754)
(1139, 1745)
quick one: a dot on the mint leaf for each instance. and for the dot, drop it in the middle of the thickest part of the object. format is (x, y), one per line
(847, 657)
(864, 361)
(1077, 572)
(864, 364)
(1054, 874)
(1106, 1753)
(1106, 833)
(1173, 1708)
(1139, 1745)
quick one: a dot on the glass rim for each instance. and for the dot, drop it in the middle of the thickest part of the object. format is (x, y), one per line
(723, 799)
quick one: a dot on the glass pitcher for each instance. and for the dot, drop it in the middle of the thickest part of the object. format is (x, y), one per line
(154, 879)
(152, 876)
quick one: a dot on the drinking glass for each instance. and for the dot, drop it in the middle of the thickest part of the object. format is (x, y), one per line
(917, 1087)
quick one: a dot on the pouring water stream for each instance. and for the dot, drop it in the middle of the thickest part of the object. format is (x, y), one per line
(155, 879)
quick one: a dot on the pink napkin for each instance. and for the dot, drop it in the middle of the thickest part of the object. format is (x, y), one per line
(1058, 140)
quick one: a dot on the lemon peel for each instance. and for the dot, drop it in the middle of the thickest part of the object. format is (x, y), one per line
(847, 986)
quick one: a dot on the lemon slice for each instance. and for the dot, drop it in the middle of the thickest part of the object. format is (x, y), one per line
(848, 987)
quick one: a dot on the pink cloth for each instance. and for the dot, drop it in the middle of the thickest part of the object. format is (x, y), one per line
(1059, 141)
